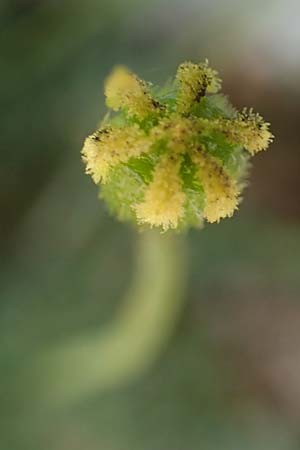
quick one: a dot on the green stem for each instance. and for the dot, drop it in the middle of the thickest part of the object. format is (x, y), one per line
(131, 343)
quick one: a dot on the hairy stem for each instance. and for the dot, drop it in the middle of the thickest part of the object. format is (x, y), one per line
(129, 345)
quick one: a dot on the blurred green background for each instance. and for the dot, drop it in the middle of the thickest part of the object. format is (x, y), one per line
(230, 377)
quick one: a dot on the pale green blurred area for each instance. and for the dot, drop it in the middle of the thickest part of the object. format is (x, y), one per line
(230, 377)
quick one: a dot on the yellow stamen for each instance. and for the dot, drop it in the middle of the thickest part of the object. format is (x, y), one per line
(220, 190)
(195, 81)
(164, 200)
(124, 90)
(111, 146)
(247, 129)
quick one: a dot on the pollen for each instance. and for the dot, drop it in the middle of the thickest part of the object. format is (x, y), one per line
(220, 189)
(254, 132)
(195, 80)
(109, 147)
(248, 129)
(124, 90)
(163, 205)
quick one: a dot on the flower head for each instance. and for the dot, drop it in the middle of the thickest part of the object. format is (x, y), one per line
(174, 157)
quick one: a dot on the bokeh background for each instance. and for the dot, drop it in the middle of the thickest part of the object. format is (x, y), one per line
(230, 377)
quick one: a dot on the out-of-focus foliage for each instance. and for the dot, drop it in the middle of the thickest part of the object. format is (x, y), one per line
(230, 378)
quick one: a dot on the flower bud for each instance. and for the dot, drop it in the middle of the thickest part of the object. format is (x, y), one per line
(175, 157)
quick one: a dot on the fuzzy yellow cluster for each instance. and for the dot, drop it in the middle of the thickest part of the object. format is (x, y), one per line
(195, 81)
(172, 151)
(163, 204)
(247, 129)
(111, 146)
(125, 90)
(250, 130)
(221, 191)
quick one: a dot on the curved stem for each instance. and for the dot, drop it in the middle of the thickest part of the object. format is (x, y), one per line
(131, 343)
